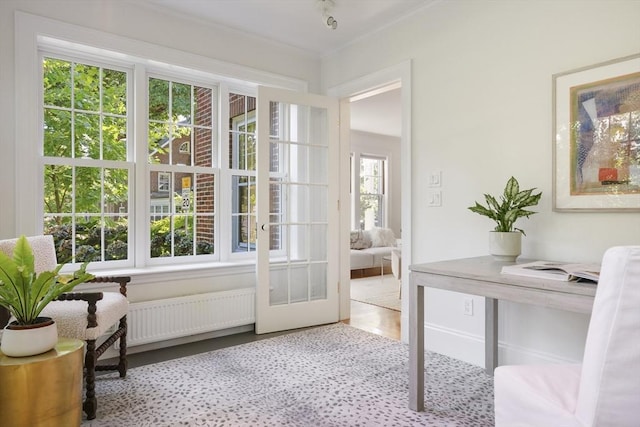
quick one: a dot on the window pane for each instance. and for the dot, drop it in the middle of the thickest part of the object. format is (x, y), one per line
(114, 85)
(181, 146)
(205, 238)
(116, 191)
(57, 82)
(86, 84)
(87, 136)
(203, 109)
(244, 229)
(88, 195)
(57, 133)
(58, 189)
(181, 103)
(372, 192)
(242, 132)
(158, 143)
(114, 135)
(158, 99)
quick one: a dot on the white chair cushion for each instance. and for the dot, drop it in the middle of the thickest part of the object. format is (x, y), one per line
(610, 381)
(71, 316)
(536, 395)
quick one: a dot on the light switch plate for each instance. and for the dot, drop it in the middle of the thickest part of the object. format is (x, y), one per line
(434, 198)
(435, 179)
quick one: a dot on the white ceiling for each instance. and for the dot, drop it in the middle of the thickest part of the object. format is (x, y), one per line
(299, 23)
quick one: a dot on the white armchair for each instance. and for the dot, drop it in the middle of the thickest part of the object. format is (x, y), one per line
(605, 389)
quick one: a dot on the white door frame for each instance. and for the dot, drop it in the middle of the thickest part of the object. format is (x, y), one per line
(397, 73)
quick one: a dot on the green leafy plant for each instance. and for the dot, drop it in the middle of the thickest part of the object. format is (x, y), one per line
(511, 206)
(26, 293)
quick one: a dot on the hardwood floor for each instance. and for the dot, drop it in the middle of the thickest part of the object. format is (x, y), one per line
(374, 319)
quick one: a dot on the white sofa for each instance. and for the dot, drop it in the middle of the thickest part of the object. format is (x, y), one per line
(368, 247)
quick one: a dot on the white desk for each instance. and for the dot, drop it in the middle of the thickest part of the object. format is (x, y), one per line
(481, 276)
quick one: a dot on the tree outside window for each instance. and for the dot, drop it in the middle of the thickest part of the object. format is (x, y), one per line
(86, 173)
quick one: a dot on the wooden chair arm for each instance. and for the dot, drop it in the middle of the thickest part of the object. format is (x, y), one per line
(121, 280)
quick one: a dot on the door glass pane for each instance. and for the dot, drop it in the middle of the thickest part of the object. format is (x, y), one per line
(299, 283)
(298, 203)
(318, 281)
(318, 251)
(279, 285)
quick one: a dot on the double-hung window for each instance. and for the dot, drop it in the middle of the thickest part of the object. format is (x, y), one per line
(86, 159)
(181, 147)
(242, 166)
(92, 162)
(372, 192)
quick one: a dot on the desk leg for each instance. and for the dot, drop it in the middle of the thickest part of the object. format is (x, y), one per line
(490, 334)
(416, 346)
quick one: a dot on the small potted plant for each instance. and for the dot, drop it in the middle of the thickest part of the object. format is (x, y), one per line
(505, 239)
(25, 293)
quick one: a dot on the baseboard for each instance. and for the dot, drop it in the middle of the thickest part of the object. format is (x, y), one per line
(113, 353)
(468, 347)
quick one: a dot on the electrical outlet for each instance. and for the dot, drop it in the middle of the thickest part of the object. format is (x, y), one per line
(468, 307)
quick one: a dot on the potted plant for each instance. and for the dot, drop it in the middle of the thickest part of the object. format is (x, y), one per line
(25, 293)
(505, 239)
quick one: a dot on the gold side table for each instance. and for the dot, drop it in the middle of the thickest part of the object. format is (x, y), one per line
(43, 390)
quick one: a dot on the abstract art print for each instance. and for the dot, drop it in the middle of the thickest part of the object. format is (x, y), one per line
(597, 137)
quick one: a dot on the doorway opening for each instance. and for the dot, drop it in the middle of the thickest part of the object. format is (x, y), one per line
(376, 210)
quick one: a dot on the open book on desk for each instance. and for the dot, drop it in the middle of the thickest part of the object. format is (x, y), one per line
(552, 270)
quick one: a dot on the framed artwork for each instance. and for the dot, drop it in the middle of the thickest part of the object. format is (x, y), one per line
(596, 137)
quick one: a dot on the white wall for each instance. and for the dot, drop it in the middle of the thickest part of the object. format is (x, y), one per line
(481, 112)
(387, 146)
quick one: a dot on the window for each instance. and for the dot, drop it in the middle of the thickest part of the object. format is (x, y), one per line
(86, 167)
(127, 166)
(242, 164)
(372, 192)
(181, 117)
(164, 182)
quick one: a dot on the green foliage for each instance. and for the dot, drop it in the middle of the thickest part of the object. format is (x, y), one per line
(510, 207)
(24, 292)
(93, 127)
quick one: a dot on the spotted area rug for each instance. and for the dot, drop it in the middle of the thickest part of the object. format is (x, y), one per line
(333, 375)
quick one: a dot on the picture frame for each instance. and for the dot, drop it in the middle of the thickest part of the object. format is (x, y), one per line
(596, 137)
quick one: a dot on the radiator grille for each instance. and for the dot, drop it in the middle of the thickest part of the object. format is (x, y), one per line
(159, 320)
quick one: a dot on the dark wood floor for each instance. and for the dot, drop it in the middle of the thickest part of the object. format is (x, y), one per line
(371, 318)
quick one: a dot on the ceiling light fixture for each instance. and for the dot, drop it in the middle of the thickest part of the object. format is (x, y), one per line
(325, 7)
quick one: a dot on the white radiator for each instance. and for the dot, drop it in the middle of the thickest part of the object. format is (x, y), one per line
(165, 319)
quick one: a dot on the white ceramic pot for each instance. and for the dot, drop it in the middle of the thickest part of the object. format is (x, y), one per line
(505, 246)
(21, 340)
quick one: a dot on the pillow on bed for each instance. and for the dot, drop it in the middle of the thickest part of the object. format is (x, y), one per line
(381, 237)
(359, 240)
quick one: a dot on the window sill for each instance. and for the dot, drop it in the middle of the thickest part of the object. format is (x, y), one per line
(167, 273)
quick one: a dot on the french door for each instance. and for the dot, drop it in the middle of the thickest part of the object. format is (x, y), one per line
(297, 210)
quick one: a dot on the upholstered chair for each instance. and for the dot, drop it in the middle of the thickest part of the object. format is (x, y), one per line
(604, 390)
(93, 317)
